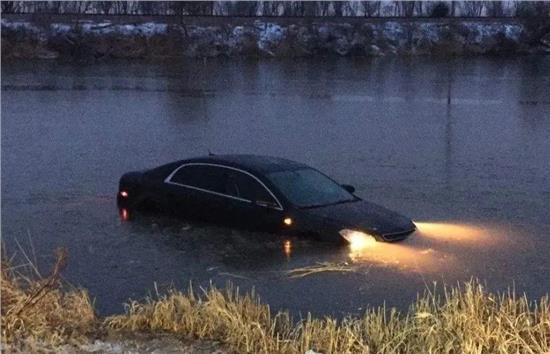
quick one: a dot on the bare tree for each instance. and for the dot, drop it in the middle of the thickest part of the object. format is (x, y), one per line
(297, 8)
(309, 8)
(405, 8)
(121, 7)
(494, 8)
(350, 8)
(474, 8)
(270, 8)
(371, 8)
(419, 8)
(453, 8)
(105, 6)
(198, 7)
(146, 7)
(8, 7)
(53, 7)
(244, 8)
(305, 8)
(325, 7)
(338, 6)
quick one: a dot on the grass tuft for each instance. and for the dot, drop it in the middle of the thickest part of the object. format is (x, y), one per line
(38, 313)
(465, 319)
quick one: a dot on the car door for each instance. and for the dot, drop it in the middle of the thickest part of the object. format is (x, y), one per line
(255, 207)
(195, 190)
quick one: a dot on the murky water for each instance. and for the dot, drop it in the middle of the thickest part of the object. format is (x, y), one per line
(474, 173)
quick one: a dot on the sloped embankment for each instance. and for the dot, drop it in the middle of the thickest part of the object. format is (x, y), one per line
(263, 38)
(39, 315)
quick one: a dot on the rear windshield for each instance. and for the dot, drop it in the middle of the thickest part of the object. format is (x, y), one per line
(309, 188)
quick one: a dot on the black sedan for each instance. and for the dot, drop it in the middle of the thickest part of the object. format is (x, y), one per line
(263, 193)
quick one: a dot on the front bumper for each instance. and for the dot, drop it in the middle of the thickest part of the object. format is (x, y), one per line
(397, 236)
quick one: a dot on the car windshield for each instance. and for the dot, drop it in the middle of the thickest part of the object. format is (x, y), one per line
(309, 188)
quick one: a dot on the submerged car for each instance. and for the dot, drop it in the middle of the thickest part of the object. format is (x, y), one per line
(263, 193)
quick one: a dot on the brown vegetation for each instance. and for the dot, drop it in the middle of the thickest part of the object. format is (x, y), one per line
(321, 267)
(463, 320)
(39, 314)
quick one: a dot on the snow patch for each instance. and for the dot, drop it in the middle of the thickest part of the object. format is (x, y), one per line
(431, 32)
(60, 28)
(513, 32)
(20, 26)
(270, 36)
(393, 31)
(238, 31)
(99, 346)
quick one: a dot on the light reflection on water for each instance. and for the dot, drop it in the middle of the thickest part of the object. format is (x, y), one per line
(453, 232)
(432, 248)
(402, 257)
(124, 214)
(287, 248)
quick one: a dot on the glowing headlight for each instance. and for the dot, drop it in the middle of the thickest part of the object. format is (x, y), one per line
(358, 239)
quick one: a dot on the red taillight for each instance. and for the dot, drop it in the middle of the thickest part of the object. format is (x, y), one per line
(124, 194)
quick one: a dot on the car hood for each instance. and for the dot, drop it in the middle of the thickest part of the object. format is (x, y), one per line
(364, 216)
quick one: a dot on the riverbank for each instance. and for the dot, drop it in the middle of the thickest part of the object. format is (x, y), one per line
(39, 314)
(51, 37)
(45, 314)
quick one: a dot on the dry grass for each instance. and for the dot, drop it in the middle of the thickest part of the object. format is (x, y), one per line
(37, 313)
(463, 320)
(322, 267)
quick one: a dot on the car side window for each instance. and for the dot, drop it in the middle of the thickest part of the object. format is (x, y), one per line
(226, 181)
(243, 186)
(210, 178)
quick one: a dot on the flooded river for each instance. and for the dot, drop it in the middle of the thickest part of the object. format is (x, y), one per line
(474, 173)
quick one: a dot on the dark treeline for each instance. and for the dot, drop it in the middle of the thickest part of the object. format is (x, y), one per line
(286, 8)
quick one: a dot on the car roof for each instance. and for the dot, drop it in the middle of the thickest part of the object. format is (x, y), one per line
(255, 163)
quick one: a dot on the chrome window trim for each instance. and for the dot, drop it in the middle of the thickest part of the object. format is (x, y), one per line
(208, 191)
(168, 180)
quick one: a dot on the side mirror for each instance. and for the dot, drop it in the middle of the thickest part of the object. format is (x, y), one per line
(348, 187)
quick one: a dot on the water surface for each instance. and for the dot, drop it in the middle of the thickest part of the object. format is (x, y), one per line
(474, 173)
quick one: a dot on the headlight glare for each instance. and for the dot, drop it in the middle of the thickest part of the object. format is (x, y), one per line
(358, 239)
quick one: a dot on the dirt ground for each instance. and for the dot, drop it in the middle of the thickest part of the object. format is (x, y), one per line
(138, 343)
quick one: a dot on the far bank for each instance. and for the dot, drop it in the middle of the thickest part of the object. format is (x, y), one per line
(101, 37)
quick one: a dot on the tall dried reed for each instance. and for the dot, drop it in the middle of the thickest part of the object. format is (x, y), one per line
(466, 319)
(38, 314)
